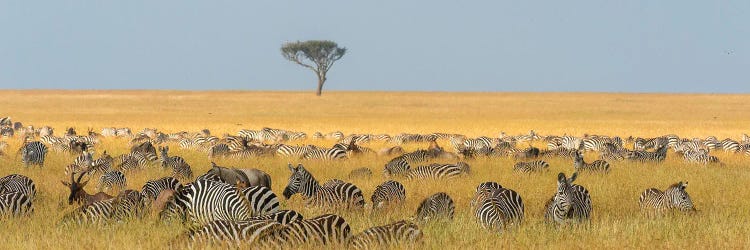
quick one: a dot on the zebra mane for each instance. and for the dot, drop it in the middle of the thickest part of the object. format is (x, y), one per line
(680, 185)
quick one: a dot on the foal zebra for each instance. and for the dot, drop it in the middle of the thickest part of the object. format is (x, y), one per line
(387, 236)
(571, 202)
(437, 206)
(596, 166)
(673, 198)
(387, 194)
(301, 181)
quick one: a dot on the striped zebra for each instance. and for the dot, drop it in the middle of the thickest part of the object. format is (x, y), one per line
(531, 166)
(301, 181)
(643, 156)
(7, 132)
(131, 161)
(387, 194)
(180, 168)
(33, 153)
(327, 229)
(18, 183)
(229, 233)
(283, 217)
(657, 142)
(153, 188)
(571, 202)
(15, 204)
(730, 145)
(700, 156)
(125, 206)
(6, 121)
(208, 177)
(497, 208)
(439, 171)
(567, 142)
(112, 179)
(596, 166)
(109, 132)
(558, 152)
(387, 236)
(612, 152)
(437, 206)
(400, 165)
(203, 201)
(325, 154)
(598, 143)
(220, 149)
(261, 200)
(673, 198)
(294, 151)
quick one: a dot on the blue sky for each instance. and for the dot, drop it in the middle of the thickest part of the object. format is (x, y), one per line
(607, 46)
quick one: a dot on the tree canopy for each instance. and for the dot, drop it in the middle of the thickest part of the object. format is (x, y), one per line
(316, 55)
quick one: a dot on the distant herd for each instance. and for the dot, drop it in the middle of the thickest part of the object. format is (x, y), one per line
(236, 206)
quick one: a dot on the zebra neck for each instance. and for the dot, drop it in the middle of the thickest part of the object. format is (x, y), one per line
(311, 188)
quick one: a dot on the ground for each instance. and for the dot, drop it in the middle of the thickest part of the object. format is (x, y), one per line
(718, 192)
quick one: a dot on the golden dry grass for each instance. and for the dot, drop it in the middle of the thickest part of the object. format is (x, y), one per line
(719, 192)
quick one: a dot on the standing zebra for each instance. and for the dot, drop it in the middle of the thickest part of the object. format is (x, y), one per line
(437, 206)
(325, 154)
(301, 181)
(15, 204)
(643, 156)
(153, 188)
(571, 202)
(112, 179)
(439, 171)
(387, 194)
(673, 198)
(180, 168)
(33, 153)
(496, 208)
(203, 201)
(261, 200)
(596, 166)
(400, 232)
(531, 166)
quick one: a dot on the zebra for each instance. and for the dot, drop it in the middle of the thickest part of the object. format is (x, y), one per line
(33, 153)
(387, 194)
(112, 179)
(132, 161)
(436, 206)
(673, 198)
(326, 229)
(301, 181)
(643, 156)
(294, 151)
(730, 145)
(700, 156)
(261, 200)
(531, 166)
(283, 217)
(400, 165)
(326, 154)
(399, 232)
(567, 142)
(111, 131)
(7, 132)
(153, 188)
(218, 150)
(596, 166)
(180, 168)
(6, 121)
(15, 204)
(571, 202)
(203, 201)
(558, 152)
(438, 171)
(126, 205)
(612, 152)
(598, 143)
(18, 183)
(234, 234)
(497, 208)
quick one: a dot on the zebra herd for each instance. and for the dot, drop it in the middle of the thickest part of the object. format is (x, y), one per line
(237, 207)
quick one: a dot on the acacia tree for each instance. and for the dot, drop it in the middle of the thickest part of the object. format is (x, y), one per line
(316, 55)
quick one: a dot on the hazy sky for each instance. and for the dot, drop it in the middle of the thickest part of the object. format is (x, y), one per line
(623, 46)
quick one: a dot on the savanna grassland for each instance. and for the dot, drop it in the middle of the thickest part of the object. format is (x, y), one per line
(719, 192)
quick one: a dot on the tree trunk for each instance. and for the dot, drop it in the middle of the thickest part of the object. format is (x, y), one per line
(321, 81)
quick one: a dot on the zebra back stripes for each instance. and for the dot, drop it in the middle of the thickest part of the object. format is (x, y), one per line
(18, 183)
(387, 194)
(674, 197)
(390, 235)
(497, 208)
(571, 202)
(438, 171)
(344, 195)
(596, 166)
(327, 229)
(151, 189)
(261, 200)
(435, 207)
(531, 166)
(33, 153)
(203, 201)
(15, 204)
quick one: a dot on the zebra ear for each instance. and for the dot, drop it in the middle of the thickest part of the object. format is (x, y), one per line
(561, 177)
(291, 168)
(300, 167)
(683, 185)
(573, 177)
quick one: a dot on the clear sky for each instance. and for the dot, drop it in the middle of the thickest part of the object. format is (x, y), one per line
(612, 46)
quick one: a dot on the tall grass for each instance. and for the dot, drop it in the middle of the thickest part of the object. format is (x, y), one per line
(718, 192)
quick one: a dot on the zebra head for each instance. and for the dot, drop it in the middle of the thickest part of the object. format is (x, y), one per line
(679, 198)
(299, 182)
(164, 152)
(563, 196)
(578, 159)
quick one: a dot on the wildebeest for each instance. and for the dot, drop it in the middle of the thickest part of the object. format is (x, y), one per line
(250, 176)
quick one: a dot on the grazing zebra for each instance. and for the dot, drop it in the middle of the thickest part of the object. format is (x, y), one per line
(673, 198)
(531, 166)
(218, 150)
(567, 142)
(132, 161)
(360, 173)
(559, 152)
(388, 194)
(497, 208)
(180, 168)
(33, 153)
(203, 201)
(730, 145)
(325, 154)
(345, 195)
(233, 234)
(400, 165)
(15, 204)
(571, 202)
(439, 171)
(153, 188)
(111, 179)
(437, 206)
(261, 200)
(598, 143)
(387, 236)
(700, 156)
(596, 166)
(283, 217)
(327, 229)
(18, 183)
(6, 132)
(294, 151)
(643, 156)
